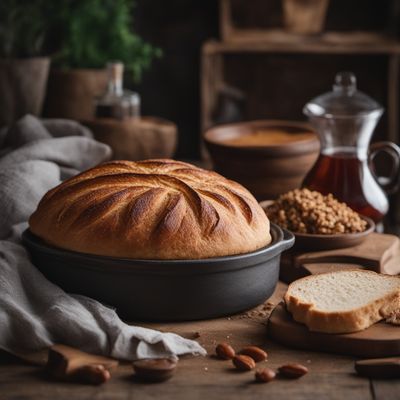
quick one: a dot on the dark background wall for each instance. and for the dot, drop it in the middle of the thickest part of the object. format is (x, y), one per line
(170, 89)
(276, 85)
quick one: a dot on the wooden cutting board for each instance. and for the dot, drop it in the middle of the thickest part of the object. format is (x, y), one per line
(380, 340)
(379, 252)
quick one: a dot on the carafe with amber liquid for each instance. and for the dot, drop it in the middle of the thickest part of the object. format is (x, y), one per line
(344, 120)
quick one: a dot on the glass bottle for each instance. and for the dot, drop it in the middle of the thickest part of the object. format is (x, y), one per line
(345, 119)
(117, 102)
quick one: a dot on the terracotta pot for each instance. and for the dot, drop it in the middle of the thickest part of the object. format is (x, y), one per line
(22, 87)
(71, 92)
(136, 138)
(305, 17)
(267, 171)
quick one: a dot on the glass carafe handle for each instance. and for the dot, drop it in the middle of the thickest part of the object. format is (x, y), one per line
(391, 182)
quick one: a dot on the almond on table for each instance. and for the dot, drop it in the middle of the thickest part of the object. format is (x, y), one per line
(225, 351)
(293, 371)
(243, 363)
(255, 353)
(265, 375)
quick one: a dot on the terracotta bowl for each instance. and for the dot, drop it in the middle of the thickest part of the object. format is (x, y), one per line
(267, 170)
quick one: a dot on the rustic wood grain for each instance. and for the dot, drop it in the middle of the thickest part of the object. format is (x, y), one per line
(330, 377)
(379, 252)
(386, 389)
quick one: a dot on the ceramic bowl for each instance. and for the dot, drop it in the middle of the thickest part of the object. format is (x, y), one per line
(308, 241)
(268, 170)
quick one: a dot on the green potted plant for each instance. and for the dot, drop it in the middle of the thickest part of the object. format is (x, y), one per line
(90, 33)
(23, 66)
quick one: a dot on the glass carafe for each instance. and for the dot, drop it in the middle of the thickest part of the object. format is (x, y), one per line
(345, 120)
(117, 102)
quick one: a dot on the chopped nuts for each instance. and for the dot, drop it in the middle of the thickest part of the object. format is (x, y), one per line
(306, 211)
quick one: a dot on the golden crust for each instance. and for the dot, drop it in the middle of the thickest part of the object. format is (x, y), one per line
(343, 321)
(153, 209)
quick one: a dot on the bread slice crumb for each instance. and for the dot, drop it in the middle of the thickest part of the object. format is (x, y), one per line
(344, 301)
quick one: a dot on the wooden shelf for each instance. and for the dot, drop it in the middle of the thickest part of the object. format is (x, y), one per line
(280, 41)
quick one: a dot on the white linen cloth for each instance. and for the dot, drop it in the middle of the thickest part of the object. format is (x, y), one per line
(36, 155)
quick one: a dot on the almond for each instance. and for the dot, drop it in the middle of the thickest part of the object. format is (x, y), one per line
(255, 353)
(225, 351)
(265, 375)
(243, 363)
(293, 371)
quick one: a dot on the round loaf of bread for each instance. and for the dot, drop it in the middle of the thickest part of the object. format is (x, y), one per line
(153, 209)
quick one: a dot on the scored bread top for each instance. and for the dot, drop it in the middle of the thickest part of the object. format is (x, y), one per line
(153, 209)
(343, 301)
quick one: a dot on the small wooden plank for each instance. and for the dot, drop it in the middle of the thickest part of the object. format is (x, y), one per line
(64, 360)
(379, 253)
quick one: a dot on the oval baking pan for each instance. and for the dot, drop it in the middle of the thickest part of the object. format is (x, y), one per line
(166, 290)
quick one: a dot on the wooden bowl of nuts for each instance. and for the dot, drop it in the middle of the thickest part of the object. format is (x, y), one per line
(318, 222)
(312, 241)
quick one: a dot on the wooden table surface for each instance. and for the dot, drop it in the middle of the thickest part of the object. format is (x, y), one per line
(206, 378)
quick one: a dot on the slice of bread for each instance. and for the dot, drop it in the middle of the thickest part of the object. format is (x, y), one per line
(343, 301)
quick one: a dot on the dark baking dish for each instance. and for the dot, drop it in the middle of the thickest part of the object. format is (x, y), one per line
(166, 290)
